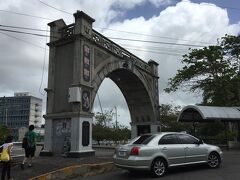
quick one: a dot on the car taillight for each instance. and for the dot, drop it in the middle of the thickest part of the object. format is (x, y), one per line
(135, 151)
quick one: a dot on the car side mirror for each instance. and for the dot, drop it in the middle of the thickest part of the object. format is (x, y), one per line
(200, 141)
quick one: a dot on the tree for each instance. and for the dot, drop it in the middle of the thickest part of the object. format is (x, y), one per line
(214, 70)
(4, 132)
(103, 129)
(100, 133)
(104, 119)
(168, 116)
(121, 133)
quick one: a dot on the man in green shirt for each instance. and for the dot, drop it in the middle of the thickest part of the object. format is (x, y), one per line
(30, 147)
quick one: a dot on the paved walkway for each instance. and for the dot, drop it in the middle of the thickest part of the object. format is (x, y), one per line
(43, 165)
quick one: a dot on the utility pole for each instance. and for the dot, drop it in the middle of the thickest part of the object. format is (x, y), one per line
(238, 75)
(116, 116)
(6, 117)
(238, 125)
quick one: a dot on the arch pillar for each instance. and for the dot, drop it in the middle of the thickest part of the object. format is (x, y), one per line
(153, 126)
(68, 117)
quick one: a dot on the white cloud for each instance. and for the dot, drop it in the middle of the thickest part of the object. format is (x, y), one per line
(158, 3)
(188, 21)
(126, 5)
(233, 29)
(122, 4)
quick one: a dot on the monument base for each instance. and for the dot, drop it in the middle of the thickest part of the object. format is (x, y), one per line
(80, 154)
(46, 153)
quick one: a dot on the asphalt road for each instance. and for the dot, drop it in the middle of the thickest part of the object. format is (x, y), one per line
(229, 170)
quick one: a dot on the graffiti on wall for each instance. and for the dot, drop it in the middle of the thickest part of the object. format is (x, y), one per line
(63, 127)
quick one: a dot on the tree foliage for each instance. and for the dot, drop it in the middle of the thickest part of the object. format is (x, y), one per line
(104, 119)
(100, 133)
(168, 116)
(214, 70)
(103, 129)
(4, 132)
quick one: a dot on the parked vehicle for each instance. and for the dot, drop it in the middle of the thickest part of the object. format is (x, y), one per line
(158, 152)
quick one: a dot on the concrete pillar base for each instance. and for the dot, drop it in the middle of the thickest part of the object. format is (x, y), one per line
(46, 153)
(155, 128)
(138, 129)
(81, 154)
(133, 131)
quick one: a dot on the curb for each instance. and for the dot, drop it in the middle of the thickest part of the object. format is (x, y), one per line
(83, 170)
(104, 147)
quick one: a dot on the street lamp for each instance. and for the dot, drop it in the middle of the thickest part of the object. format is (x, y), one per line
(116, 115)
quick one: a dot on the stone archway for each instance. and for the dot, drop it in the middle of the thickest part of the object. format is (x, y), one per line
(80, 58)
(137, 94)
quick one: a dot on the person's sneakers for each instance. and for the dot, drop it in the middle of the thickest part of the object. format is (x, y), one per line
(22, 166)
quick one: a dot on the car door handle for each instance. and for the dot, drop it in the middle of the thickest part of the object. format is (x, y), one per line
(186, 148)
(164, 148)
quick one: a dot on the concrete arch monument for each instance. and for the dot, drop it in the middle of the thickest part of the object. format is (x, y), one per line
(80, 58)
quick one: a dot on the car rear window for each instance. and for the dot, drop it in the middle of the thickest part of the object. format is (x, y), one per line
(144, 139)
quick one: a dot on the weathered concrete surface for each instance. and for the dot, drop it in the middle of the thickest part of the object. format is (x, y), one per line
(44, 165)
(83, 170)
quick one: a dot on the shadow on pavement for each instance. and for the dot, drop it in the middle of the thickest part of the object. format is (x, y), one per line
(171, 171)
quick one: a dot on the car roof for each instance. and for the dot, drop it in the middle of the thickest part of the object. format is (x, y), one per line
(164, 133)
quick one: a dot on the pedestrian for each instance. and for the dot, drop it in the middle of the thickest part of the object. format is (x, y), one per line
(30, 147)
(6, 158)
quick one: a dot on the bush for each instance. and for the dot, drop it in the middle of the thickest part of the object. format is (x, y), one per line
(222, 139)
(4, 132)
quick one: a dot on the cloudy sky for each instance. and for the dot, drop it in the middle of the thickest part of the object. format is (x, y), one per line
(24, 58)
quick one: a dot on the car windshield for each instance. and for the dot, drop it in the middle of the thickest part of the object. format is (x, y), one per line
(144, 139)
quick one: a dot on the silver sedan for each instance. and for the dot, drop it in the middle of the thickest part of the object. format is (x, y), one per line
(157, 152)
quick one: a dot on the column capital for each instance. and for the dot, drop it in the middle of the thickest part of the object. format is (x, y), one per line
(83, 24)
(82, 15)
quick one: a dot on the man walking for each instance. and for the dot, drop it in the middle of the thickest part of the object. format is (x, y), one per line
(30, 146)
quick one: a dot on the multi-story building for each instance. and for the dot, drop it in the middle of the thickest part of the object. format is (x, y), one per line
(21, 110)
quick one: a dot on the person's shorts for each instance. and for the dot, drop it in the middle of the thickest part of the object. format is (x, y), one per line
(30, 151)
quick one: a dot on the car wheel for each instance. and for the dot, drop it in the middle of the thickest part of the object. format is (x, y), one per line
(213, 160)
(159, 167)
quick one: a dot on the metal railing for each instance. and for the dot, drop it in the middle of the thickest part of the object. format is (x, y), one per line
(118, 50)
(68, 31)
(109, 45)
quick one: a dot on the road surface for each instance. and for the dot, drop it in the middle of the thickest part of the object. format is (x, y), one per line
(229, 170)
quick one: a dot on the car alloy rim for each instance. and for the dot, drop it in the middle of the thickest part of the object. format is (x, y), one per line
(159, 168)
(213, 160)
